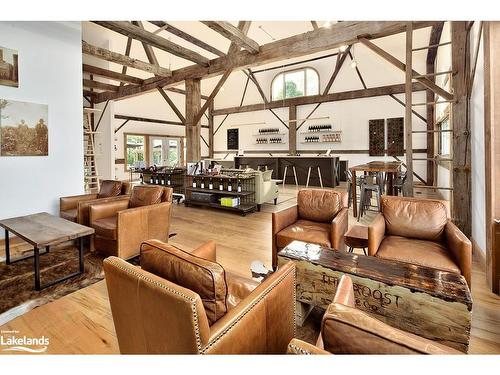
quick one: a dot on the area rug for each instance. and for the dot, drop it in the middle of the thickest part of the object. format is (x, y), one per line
(310, 329)
(17, 280)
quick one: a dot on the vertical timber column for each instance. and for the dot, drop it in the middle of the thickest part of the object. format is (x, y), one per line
(193, 131)
(431, 165)
(461, 144)
(211, 130)
(408, 113)
(292, 130)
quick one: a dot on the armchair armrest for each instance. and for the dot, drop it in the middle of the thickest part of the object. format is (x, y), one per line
(461, 248)
(207, 251)
(345, 292)
(106, 209)
(281, 220)
(264, 322)
(297, 346)
(138, 224)
(376, 233)
(84, 207)
(68, 203)
(340, 224)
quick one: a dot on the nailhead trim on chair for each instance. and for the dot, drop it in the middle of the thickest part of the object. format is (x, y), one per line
(249, 308)
(187, 298)
(300, 350)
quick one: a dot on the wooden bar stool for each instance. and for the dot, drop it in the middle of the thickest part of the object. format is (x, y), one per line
(294, 174)
(309, 175)
(357, 237)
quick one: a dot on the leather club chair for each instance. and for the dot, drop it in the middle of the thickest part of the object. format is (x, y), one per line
(319, 217)
(186, 303)
(122, 225)
(347, 330)
(76, 208)
(419, 231)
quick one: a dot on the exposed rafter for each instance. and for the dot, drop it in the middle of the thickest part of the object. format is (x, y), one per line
(118, 58)
(211, 97)
(128, 47)
(191, 39)
(137, 33)
(434, 39)
(299, 45)
(234, 34)
(99, 85)
(338, 66)
(110, 74)
(314, 25)
(172, 105)
(400, 65)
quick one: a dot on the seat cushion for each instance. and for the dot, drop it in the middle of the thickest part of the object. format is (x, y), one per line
(306, 231)
(204, 277)
(424, 219)
(70, 215)
(106, 227)
(318, 205)
(145, 196)
(238, 289)
(110, 188)
(424, 253)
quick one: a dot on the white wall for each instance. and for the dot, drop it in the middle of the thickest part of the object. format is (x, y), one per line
(50, 61)
(477, 145)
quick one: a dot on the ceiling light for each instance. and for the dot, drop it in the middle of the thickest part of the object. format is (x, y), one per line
(327, 24)
(343, 48)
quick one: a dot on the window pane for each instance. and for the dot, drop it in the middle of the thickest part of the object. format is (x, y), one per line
(135, 151)
(157, 151)
(312, 82)
(294, 84)
(445, 139)
(277, 89)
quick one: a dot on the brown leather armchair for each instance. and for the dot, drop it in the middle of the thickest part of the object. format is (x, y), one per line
(419, 231)
(76, 208)
(346, 330)
(319, 217)
(186, 303)
(122, 225)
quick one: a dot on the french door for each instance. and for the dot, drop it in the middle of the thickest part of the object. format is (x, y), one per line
(164, 151)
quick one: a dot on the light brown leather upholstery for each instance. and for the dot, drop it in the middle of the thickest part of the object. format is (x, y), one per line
(300, 347)
(145, 196)
(346, 330)
(155, 316)
(76, 208)
(320, 217)
(120, 230)
(418, 231)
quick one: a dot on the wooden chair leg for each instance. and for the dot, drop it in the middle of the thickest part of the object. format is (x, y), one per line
(320, 179)
(284, 175)
(308, 176)
(295, 175)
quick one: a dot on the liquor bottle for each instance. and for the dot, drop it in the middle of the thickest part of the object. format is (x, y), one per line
(229, 186)
(210, 184)
(202, 183)
(168, 180)
(221, 184)
(239, 186)
(194, 182)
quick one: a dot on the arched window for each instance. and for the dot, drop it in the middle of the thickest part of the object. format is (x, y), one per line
(294, 83)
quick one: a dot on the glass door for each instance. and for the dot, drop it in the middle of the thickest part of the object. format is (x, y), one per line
(164, 151)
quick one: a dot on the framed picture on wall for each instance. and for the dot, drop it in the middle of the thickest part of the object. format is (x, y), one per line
(23, 128)
(9, 71)
(232, 139)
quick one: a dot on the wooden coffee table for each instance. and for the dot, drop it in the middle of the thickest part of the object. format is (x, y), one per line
(421, 300)
(357, 237)
(43, 230)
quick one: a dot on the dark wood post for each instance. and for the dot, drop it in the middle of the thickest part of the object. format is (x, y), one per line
(193, 106)
(292, 130)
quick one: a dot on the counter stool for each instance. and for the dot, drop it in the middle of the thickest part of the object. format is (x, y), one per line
(399, 182)
(262, 167)
(357, 237)
(364, 198)
(348, 175)
(309, 175)
(294, 174)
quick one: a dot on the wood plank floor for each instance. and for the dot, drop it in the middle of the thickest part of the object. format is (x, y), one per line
(81, 323)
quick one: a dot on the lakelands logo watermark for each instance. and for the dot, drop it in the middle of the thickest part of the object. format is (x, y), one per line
(11, 341)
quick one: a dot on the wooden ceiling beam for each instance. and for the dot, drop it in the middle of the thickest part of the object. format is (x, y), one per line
(118, 58)
(144, 119)
(434, 39)
(172, 105)
(128, 47)
(99, 85)
(189, 38)
(314, 99)
(110, 74)
(340, 61)
(234, 34)
(314, 25)
(144, 36)
(398, 64)
(298, 45)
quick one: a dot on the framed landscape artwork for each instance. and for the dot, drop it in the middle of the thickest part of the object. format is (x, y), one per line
(9, 74)
(23, 129)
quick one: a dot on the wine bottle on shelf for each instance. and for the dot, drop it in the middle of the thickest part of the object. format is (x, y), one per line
(202, 185)
(194, 182)
(239, 186)
(221, 184)
(168, 180)
(210, 184)
(229, 186)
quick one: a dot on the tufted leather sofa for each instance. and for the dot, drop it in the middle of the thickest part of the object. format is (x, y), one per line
(319, 217)
(347, 330)
(419, 231)
(186, 303)
(76, 208)
(122, 225)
